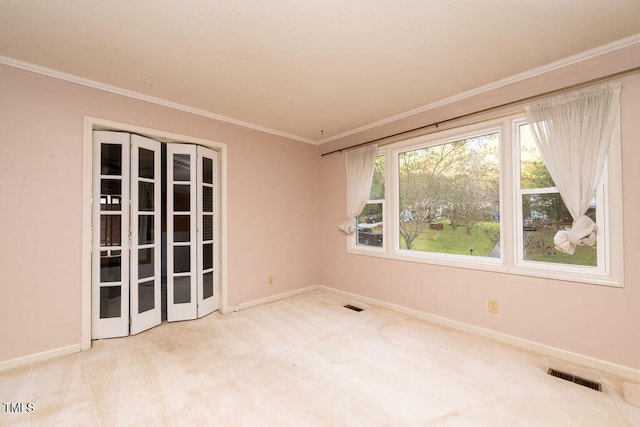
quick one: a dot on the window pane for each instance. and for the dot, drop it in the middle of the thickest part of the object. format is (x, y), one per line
(110, 230)
(533, 172)
(145, 229)
(181, 228)
(181, 198)
(207, 225)
(110, 266)
(207, 199)
(370, 223)
(145, 196)
(207, 256)
(111, 159)
(181, 167)
(377, 185)
(207, 285)
(181, 259)
(110, 194)
(145, 296)
(145, 263)
(543, 215)
(110, 301)
(145, 163)
(449, 197)
(181, 290)
(207, 170)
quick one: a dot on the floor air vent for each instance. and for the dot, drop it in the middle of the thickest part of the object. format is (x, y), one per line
(353, 307)
(572, 378)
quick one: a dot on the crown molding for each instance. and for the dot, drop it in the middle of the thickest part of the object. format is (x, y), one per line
(556, 65)
(573, 59)
(49, 72)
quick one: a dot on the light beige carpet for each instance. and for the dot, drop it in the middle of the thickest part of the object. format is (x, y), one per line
(308, 361)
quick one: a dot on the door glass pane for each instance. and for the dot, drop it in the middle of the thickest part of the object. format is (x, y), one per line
(145, 196)
(207, 256)
(181, 290)
(207, 199)
(110, 266)
(181, 167)
(207, 225)
(181, 259)
(110, 301)
(207, 170)
(110, 194)
(145, 229)
(145, 263)
(207, 285)
(181, 228)
(181, 202)
(145, 296)
(111, 159)
(145, 163)
(110, 230)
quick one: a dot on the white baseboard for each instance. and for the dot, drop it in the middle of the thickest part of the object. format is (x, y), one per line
(39, 357)
(623, 372)
(620, 371)
(273, 298)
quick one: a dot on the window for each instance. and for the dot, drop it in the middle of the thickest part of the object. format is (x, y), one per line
(449, 197)
(370, 223)
(480, 197)
(542, 213)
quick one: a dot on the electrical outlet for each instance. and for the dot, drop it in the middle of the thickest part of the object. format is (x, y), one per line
(492, 305)
(270, 279)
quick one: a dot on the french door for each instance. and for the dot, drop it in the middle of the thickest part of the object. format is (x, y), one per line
(191, 290)
(127, 233)
(110, 251)
(145, 275)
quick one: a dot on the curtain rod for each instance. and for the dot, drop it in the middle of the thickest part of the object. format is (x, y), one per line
(486, 110)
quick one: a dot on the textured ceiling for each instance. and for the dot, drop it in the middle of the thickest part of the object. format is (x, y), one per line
(310, 69)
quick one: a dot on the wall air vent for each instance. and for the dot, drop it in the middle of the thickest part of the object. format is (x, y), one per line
(353, 307)
(572, 378)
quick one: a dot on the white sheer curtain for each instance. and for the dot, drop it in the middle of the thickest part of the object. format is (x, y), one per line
(572, 133)
(360, 164)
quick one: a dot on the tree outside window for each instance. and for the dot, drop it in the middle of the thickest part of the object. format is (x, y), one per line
(543, 211)
(449, 197)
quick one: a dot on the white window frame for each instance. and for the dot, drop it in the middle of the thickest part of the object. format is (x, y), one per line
(609, 212)
(352, 240)
(602, 221)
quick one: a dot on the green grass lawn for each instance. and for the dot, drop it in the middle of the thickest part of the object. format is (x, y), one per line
(540, 247)
(485, 235)
(482, 240)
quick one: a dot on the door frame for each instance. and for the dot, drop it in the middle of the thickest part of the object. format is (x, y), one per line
(94, 123)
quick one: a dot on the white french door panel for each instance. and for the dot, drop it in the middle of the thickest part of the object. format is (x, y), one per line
(206, 231)
(110, 235)
(145, 271)
(182, 275)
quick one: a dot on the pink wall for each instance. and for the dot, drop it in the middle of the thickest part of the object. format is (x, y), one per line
(272, 205)
(597, 321)
(283, 209)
